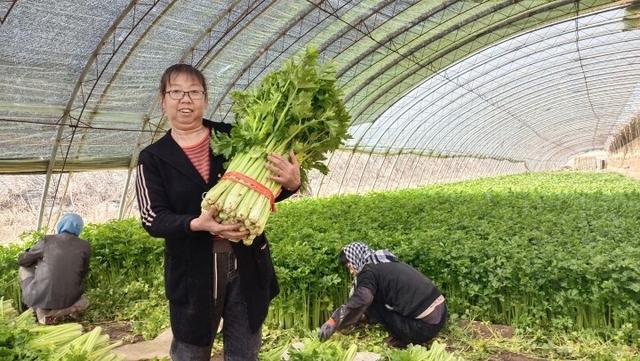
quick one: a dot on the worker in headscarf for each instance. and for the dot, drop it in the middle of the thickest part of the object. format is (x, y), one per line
(390, 292)
(52, 272)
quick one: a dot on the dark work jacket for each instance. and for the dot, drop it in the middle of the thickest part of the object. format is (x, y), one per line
(169, 191)
(61, 262)
(399, 287)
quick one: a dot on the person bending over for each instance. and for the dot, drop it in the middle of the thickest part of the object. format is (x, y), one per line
(52, 272)
(390, 292)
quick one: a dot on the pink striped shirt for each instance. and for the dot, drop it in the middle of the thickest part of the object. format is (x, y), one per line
(198, 154)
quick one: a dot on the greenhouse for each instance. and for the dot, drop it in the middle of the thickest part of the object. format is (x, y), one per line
(491, 145)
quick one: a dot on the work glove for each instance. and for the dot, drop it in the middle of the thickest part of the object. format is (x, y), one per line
(327, 329)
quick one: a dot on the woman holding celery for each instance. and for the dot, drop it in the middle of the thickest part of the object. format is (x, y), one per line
(208, 274)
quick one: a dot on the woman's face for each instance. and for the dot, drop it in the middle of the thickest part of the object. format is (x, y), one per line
(185, 113)
(352, 269)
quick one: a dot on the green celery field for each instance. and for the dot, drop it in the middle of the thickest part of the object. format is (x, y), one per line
(556, 251)
(559, 249)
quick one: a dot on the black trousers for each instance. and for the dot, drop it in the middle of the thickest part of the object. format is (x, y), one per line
(238, 342)
(404, 328)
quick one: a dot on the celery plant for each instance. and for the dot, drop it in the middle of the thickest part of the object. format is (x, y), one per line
(295, 108)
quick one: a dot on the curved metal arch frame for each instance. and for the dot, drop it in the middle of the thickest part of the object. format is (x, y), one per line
(347, 28)
(485, 62)
(421, 98)
(470, 38)
(254, 60)
(207, 35)
(388, 94)
(562, 87)
(496, 156)
(555, 86)
(471, 79)
(392, 82)
(355, 146)
(366, 32)
(143, 125)
(246, 68)
(212, 58)
(421, 44)
(205, 64)
(117, 71)
(109, 38)
(390, 37)
(282, 34)
(465, 111)
(400, 132)
(4, 17)
(546, 159)
(365, 132)
(516, 135)
(257, 54)
(519, 16)
(520, 95)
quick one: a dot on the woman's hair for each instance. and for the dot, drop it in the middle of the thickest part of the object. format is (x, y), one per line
(181, 69)
(343, 258)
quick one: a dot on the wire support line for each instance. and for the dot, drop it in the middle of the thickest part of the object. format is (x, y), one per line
(584, 74)
(6, 14)
(429, 66)
(79, 126)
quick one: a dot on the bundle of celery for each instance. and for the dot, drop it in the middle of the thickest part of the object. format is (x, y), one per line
(21, 338)
(437, 352)
(297, 107)
(313, 349)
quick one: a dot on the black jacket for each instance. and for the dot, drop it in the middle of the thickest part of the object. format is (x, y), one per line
(169, 191)
(61, 263)
(399, 287)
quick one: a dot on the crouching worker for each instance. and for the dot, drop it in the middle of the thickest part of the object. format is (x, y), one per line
(52, 272)
(390, 292)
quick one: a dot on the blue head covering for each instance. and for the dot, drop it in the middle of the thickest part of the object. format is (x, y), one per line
(71, 223)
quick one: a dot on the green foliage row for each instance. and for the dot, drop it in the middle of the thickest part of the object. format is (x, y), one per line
(300, 345)
(9, 284)
(22, 338)
(125, 279)
(553, 250)
(544, 250)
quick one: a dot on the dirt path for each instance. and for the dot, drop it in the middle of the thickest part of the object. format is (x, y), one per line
(135, 349)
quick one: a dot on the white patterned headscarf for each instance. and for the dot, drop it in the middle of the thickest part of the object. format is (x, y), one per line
(359, 254)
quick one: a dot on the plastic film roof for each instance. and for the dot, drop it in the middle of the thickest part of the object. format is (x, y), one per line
(438, 90)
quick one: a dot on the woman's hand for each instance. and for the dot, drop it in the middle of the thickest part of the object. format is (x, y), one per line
(207, 222)
(285, 172)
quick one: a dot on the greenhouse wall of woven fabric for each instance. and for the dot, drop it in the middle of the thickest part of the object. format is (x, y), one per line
(451, 107)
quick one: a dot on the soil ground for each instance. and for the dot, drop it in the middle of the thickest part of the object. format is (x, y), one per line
(121, 331)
